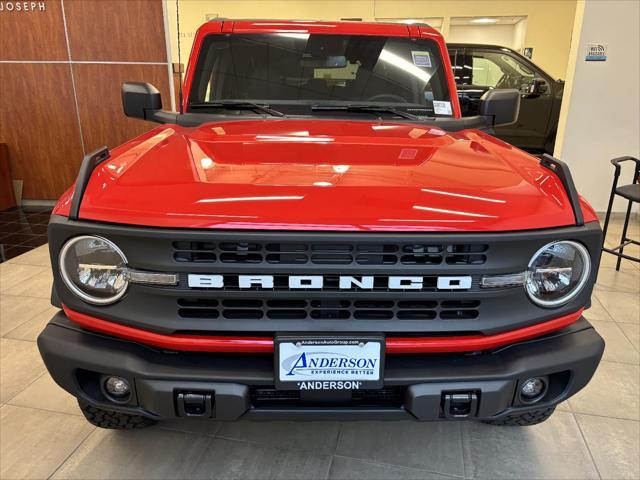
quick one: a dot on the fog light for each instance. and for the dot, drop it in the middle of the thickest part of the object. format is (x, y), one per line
(117, 387)
(532, 389)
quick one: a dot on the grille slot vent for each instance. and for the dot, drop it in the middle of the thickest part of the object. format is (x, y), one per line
(329, 253)
(328, 309)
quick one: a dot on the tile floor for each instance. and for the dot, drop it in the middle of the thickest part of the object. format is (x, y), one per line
(22, 229)
(42, 434)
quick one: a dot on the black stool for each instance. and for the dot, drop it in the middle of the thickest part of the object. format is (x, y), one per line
(631, 193)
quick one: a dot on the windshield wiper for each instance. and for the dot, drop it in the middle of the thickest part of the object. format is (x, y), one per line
(236, 105)
(365, 109)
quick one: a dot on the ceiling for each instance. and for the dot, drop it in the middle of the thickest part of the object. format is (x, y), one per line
(486, 20)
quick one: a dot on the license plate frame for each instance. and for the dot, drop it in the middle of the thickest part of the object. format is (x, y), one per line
(328, 372)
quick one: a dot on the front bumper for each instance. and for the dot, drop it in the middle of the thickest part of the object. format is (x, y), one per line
(242, 385)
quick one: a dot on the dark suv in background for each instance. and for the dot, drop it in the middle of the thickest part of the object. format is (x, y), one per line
(479, 68)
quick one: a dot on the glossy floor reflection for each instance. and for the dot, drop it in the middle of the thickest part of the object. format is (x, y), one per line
(22, 229)
(42, 434)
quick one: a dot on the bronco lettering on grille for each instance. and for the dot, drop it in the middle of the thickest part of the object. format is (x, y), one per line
(298, 282)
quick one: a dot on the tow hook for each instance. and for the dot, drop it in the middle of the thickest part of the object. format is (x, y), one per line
(459, 404)
(194, 404)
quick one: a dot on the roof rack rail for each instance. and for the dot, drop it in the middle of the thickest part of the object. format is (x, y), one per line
(89, 163)
(561, 169)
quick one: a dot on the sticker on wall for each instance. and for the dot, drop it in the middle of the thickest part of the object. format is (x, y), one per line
(421, 59)
(442, 108)
(596, 52)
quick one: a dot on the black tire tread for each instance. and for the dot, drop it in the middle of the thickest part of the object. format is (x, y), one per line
(532, 417)
(114, 420)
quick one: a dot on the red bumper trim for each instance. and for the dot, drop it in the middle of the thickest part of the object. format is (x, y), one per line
(394, 345)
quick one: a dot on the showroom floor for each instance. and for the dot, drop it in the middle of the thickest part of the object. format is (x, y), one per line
(22, 229)
(42, 434)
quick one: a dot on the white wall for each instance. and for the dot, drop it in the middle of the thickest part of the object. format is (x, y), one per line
(520, 34)
(600, 117)
(434, 22)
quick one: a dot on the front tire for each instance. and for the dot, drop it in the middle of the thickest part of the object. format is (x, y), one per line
(532, 417)
(113, 420)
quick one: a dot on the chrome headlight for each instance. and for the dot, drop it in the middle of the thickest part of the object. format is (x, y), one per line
(557, 273)
(94, 269)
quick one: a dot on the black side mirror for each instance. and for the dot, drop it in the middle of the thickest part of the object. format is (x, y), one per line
(139, 99)
(538, 87)
(501, 105)
(534, 89)
(143, 100)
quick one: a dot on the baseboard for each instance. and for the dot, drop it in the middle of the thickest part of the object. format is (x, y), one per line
(38, 203)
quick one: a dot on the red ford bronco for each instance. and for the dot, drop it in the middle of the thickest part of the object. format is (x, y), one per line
(318, 234)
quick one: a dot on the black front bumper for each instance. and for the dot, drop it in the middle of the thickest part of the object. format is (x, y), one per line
(415, 386)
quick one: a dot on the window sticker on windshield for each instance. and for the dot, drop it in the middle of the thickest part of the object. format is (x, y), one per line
(442, 108)
(421, 59)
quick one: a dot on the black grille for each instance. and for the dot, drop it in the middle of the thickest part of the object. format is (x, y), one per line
(329, 253)
(190, 252)
(327, 309)
(270, 397)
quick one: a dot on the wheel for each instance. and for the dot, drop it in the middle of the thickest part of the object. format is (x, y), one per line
(116, 420)
(532, 417)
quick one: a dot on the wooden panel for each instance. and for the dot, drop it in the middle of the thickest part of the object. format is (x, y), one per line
(7, 197)
(98, 88)
(33, 35)
(117, 30)
(38, 122)
(176, 90)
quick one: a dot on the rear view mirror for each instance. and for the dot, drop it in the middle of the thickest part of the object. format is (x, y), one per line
(336, 61)
(502, 106)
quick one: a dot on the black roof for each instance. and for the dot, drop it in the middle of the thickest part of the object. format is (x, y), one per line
(483, 45)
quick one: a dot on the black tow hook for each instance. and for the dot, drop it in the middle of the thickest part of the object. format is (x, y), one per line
(194, 404)
(459, 404)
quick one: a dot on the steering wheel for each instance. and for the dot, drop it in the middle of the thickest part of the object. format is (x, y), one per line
(387, 97)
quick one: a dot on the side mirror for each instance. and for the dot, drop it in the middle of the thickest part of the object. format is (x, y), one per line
(534, 89)
(140, 99)
(143, 100)
(538, 87)
(501, 105)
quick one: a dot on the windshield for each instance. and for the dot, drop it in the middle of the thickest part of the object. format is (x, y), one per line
(295, 72)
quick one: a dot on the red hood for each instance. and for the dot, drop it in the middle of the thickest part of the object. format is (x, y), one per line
(323, 175)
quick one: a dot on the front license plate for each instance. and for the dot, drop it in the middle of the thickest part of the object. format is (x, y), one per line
(338, 363)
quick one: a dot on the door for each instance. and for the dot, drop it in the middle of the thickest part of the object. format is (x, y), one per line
(478, 70)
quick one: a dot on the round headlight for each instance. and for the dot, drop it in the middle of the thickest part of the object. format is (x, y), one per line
(557, 272)
(94, 269)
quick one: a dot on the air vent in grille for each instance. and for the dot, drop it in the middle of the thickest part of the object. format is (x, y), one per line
(327, 309)
(329, 253)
